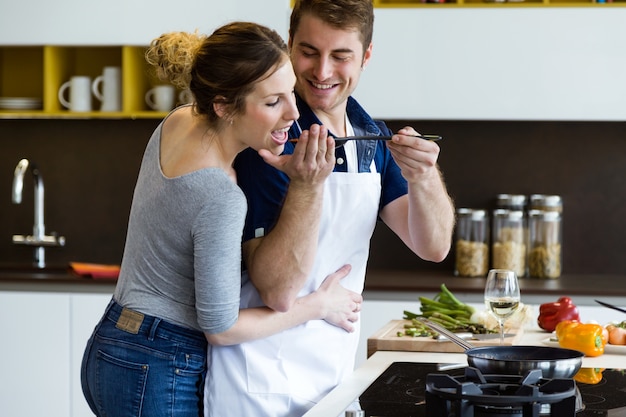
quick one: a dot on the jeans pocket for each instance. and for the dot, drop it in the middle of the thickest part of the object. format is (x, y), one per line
(119, 399)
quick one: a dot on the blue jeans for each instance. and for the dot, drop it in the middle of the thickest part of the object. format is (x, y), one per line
(138, 365)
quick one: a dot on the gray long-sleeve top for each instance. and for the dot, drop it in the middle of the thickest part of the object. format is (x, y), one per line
(182, 259)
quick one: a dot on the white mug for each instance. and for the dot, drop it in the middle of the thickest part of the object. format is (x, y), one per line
(185, 96)
(161, 97)
(108, 89)
(80, 93)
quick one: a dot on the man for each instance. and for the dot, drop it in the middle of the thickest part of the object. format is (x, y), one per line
(299, 231)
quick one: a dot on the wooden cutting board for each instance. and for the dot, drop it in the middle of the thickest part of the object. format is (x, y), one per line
(387, 339)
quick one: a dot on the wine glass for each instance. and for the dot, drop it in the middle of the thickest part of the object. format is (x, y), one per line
(502, 295)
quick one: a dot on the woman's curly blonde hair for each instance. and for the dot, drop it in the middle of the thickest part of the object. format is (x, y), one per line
(172, 55)
(221, 68)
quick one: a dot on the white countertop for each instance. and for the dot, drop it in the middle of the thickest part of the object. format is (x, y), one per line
(336, 402)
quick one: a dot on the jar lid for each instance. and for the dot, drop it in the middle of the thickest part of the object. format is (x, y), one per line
(475, 214)
(548, 216)
(509, 214)
(542, 200)
(508, 200)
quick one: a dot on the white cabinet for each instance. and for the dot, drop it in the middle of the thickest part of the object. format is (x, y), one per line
(374, 315)
(34, 354)
(43, 339)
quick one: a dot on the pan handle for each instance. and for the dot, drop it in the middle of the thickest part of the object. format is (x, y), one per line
(447, 333)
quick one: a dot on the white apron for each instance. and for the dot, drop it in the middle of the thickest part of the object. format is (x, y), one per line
(288, 373)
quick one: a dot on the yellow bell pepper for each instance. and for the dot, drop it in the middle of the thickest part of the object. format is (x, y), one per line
(589, 375)
(584, 337)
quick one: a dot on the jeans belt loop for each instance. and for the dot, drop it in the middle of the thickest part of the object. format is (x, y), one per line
(153, 328)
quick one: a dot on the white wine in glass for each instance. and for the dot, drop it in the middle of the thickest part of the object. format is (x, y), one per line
(502, 295)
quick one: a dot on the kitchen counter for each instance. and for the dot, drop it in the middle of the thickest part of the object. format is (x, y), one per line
(394, 285)
(343, 395)
(54, 280)
(427, 281)
(403, 285)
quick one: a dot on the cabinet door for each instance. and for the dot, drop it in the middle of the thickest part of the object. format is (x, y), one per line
(374, 315)
(34, 354)
(86, 310)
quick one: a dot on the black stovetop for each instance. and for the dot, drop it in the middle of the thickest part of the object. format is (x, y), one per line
(400, 392)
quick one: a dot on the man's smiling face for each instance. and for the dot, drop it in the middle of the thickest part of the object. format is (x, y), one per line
(328, 63)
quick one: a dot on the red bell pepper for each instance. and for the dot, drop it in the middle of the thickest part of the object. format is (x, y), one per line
(550, 314)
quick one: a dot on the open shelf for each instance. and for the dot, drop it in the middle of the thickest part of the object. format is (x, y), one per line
(37, 72)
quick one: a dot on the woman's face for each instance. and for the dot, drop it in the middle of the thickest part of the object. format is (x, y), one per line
(270, 111)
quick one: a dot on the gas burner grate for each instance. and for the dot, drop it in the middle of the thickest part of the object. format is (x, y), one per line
(475, 394)
(400, 391)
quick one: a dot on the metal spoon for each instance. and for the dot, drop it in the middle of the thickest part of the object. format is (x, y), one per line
(340, 141)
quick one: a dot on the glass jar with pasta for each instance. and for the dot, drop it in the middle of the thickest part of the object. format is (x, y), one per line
(544, 256)
(508, 246)
(472, 243)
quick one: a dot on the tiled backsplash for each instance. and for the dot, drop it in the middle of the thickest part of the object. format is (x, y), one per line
(89, 169)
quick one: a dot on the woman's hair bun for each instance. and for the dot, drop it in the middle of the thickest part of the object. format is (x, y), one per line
(173, 54)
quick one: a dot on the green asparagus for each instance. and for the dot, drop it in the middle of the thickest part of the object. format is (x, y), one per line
(446, 310)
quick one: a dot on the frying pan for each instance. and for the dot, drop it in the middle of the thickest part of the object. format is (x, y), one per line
(516, 360)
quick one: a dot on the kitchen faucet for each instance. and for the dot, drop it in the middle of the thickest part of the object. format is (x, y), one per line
(38, 239)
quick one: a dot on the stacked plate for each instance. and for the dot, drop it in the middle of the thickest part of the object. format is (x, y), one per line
(20, 103)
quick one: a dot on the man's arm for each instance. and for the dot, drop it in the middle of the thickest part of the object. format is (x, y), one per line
(280, 262)
(424, 218)
(331, 302)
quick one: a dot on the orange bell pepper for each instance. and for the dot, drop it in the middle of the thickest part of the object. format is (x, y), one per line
(584, 337)
(589, 375)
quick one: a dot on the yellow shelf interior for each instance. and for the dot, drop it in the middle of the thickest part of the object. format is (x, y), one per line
(40, 71)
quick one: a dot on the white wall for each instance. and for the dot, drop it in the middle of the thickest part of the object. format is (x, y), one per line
(527, 63)
(495, 63)
(127, 22)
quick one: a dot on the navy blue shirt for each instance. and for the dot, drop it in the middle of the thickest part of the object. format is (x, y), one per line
(265, 187)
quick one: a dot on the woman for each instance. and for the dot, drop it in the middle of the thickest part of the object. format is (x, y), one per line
(180, 276)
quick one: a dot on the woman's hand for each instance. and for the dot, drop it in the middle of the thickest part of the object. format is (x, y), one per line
(312, 160)
(340, 306)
